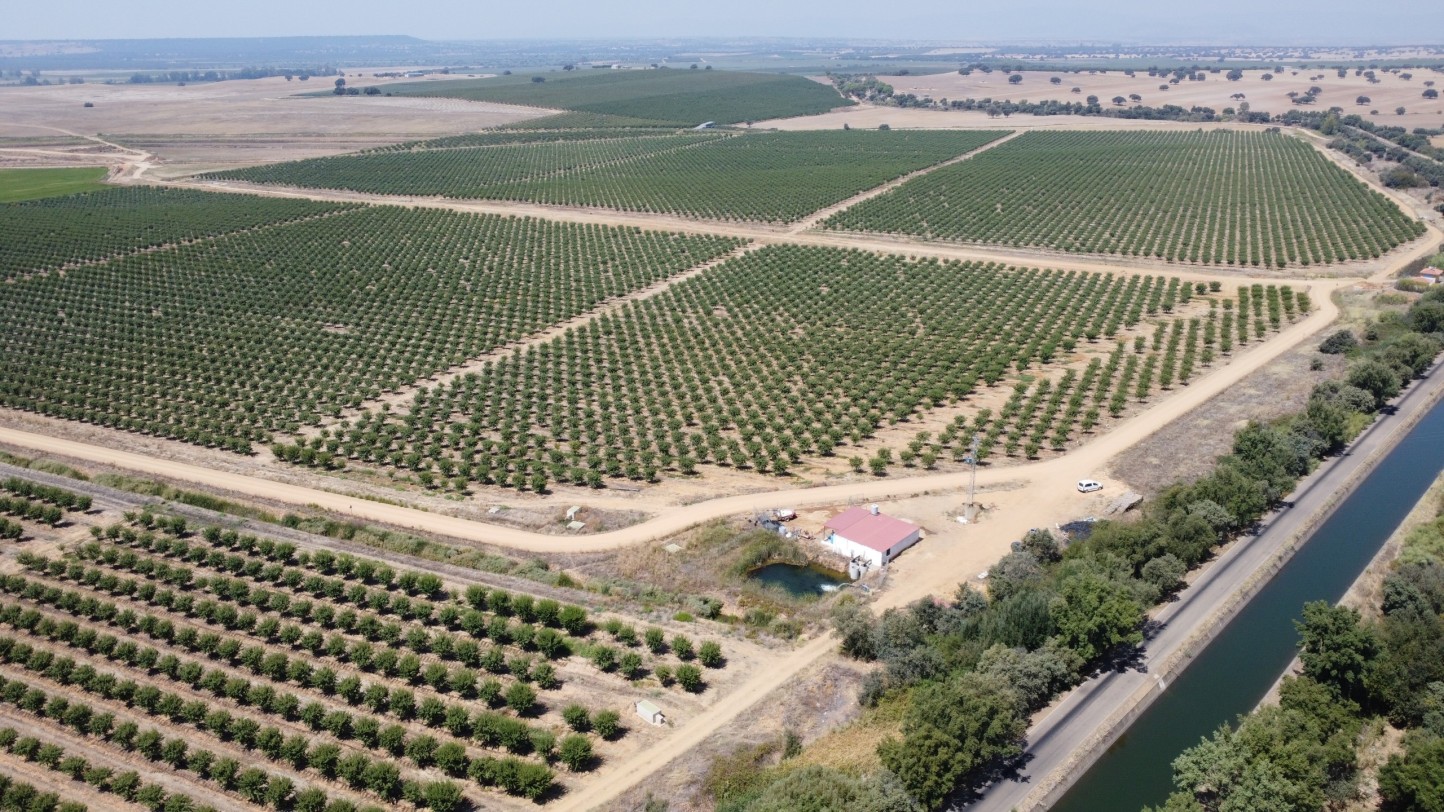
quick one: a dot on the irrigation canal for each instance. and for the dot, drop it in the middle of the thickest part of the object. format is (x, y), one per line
(1234, 672)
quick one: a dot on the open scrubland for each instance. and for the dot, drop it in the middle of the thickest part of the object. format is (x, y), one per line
(1379, 94)
(223, 341)
(1220, 197)
(678, 98)
(771, 177)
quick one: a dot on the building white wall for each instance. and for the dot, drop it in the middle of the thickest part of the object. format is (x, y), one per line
(850, 549)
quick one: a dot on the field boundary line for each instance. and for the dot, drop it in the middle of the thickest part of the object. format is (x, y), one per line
(815, 219)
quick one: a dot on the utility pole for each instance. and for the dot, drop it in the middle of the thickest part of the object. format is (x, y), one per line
(972, 511)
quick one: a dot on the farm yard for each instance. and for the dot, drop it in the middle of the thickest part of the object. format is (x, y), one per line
(1215, 197)
(661, 98)
(235, 668)
(224, 341)
(767, 177)
(795, 352)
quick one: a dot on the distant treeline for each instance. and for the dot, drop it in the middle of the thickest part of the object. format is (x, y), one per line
(222, 75)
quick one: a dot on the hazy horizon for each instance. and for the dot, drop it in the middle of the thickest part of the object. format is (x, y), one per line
(1227, 22)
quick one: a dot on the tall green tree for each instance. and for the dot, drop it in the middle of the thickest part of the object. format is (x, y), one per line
(1094, 616)
(1336, 648)
(952, 732)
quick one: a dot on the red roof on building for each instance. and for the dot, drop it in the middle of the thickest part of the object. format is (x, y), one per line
(1431, 272)
(877, 532)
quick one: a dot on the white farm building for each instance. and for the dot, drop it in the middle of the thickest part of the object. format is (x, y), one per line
(866, 533)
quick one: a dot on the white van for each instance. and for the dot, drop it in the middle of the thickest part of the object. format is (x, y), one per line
(1089, 485)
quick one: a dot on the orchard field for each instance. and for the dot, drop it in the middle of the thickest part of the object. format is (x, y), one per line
(792, 353)
(770, 177)
(176, 667)
(223, 342)
(53, 232)
(1214, 197)
(675, 98)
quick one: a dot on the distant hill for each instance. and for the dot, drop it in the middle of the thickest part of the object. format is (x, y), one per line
(668, 96)
(214, 53)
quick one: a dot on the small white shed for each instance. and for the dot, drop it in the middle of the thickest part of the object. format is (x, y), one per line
(651, 713)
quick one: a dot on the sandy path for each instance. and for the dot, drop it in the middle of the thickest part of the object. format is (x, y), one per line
(816, 218)
(615, 778)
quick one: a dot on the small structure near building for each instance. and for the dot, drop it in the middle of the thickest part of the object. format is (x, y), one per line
(1431, 276)
(867, 534)
(651, 713)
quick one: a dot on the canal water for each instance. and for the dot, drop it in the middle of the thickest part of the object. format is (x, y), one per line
(1233, 673)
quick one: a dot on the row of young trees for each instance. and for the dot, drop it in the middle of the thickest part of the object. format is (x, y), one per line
(222, 343)
(1216, 197)
(969, 671)
(515, 621)
(49, 494)
(19, 796)
(297, 727)
(781, 354)
(251, 784)
(772, 176)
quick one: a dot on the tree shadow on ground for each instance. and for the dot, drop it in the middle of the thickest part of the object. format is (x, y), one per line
(1009, 769)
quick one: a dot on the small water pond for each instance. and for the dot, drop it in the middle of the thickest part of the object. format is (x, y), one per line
(800, 580)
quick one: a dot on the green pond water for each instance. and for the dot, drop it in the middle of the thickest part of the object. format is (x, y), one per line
(801, 580)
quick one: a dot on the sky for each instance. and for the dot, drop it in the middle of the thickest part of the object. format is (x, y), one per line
(1167, 22)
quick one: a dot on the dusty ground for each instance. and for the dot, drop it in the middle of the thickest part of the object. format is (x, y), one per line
(1215, 91)
(1187, 448)
(819, 699)
(201, 127)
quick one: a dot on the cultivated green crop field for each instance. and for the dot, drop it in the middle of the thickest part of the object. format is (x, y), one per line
(222, 342)
(32, 184)
(764, 176)
(682, 98)
(47, 234)
(790, 352)
(1219, 197)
